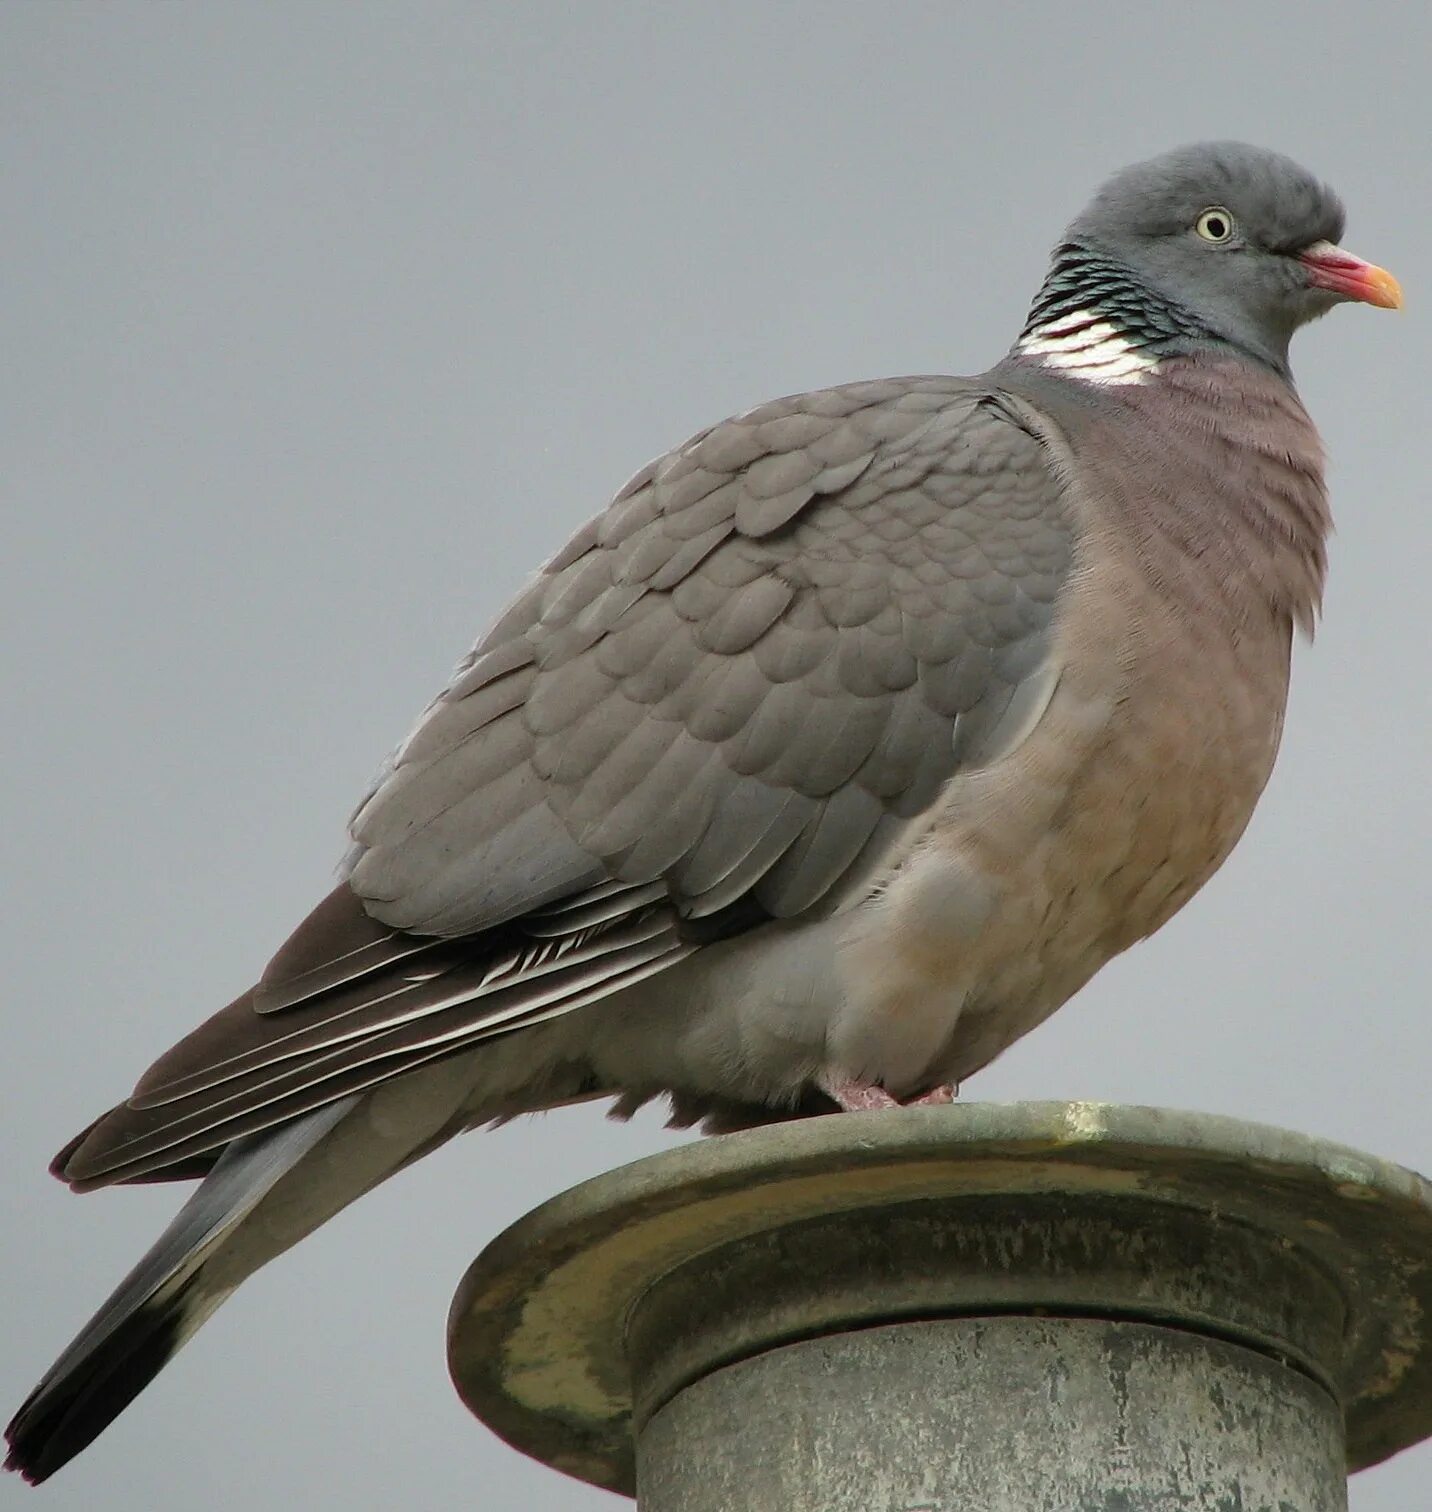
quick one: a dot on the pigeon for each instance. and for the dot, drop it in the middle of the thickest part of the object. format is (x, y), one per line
(851, 739)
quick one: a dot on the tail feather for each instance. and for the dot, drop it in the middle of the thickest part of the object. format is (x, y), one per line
(156, 1307)
(64, 1415)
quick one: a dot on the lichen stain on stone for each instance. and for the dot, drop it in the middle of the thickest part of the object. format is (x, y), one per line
(1404, 1314)
(1086, 1120)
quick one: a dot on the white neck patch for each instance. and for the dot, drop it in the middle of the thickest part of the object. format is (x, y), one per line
(1088, 348)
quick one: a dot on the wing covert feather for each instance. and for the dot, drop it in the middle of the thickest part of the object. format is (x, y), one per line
(838, 592)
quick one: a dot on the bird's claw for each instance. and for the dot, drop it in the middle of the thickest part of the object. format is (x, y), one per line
(861, 1097)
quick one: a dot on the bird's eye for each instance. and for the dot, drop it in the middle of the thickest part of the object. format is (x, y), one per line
(1215, 224)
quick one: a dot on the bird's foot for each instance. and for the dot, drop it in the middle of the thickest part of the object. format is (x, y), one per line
(861, 1097)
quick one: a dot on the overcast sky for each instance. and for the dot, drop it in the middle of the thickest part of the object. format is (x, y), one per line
(324, 323)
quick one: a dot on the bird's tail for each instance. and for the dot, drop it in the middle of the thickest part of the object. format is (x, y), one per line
(158, 1305)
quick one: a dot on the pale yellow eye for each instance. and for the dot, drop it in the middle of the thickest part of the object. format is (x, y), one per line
(1215, 224)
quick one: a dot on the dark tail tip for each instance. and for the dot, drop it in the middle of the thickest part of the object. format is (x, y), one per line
(68, 1410)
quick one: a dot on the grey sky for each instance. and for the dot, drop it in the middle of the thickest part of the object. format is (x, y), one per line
(323, 323)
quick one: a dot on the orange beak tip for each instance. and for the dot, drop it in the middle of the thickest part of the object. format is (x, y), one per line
(1345, 274)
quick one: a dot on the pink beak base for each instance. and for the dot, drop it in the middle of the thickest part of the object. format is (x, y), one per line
(1339, 272)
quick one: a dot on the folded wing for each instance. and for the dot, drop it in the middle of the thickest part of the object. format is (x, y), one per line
(718, 705)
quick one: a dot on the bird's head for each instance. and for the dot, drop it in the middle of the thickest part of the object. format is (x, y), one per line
(1242, 239)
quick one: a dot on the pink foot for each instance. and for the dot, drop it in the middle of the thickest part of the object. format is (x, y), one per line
(935, 1097)
(862, 1097)
(854, 1097)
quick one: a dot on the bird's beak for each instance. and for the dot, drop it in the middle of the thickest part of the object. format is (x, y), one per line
(1341, 273)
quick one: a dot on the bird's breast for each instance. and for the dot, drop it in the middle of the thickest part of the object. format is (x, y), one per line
(1132, 790)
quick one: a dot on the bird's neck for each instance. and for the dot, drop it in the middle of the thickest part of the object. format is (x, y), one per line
(1096, 320)
(1213, 472)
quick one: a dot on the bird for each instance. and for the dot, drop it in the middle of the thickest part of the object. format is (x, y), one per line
(847, 744)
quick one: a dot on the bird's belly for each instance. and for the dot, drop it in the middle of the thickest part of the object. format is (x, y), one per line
(1035, 873)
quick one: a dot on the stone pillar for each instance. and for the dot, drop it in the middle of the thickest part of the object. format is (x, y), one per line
(1029, 1308)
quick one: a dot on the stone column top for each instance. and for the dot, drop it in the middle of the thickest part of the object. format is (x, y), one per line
(578, 1321)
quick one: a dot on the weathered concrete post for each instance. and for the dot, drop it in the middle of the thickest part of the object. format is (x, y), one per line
(1029, 1308)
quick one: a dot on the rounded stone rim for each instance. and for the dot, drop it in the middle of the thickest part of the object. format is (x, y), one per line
(536, 1333)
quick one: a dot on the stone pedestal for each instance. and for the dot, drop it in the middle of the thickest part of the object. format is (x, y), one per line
(1029, 1308)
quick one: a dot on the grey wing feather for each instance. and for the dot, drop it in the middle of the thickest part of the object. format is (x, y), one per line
(849, 588)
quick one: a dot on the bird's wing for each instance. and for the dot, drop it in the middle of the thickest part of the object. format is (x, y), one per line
(716, 706)
(790, 628)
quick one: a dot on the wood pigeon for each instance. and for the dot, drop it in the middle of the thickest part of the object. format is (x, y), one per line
(838, 752)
